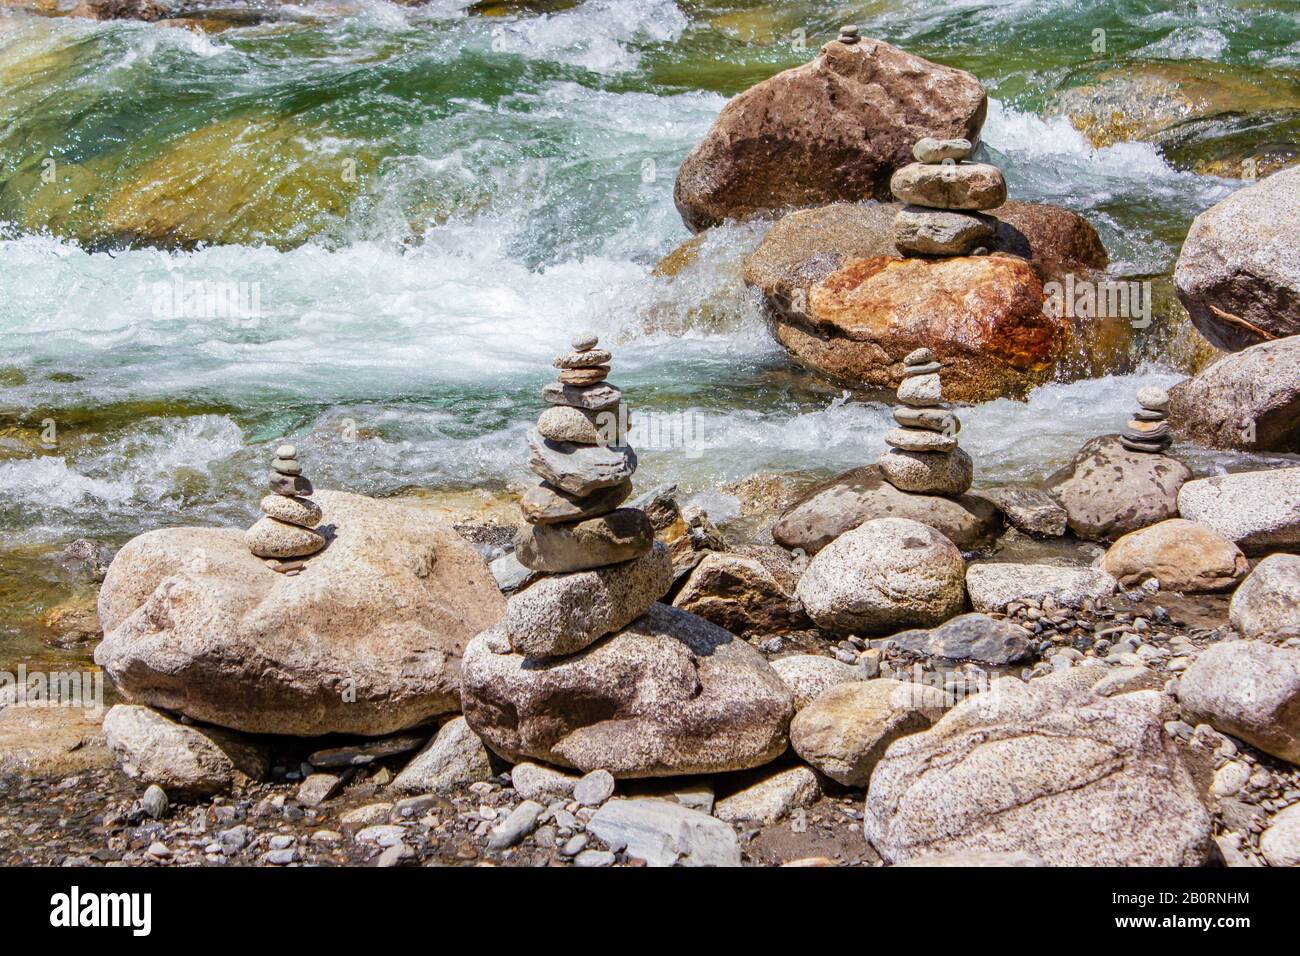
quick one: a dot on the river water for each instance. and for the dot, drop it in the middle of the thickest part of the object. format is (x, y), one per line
(420, 206)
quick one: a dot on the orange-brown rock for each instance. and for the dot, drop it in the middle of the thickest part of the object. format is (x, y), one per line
(982, 316)
(835, 128)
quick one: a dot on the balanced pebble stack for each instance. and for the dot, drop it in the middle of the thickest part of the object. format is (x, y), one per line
(943, 195)
(923, 457)
(573, 519)
(285, 531)
(1148, 429)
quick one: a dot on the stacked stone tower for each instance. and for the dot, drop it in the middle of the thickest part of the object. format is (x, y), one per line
(285, 530)
(923, 457)
(1148, 429)
(573, 521)
(943, 195)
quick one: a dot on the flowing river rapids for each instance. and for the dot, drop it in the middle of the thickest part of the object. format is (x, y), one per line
(413, 209)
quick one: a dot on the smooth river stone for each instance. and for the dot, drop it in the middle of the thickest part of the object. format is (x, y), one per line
(950, 186)
(929, 368)
(1153, 399)
(555, 548)
(933, 419)
(269, 538)
(591, 358)
(579, 469)
(300, 511)
(287, 466)
(928, 473)
(289, 484)
(584, 376)
(921, 356)
(921, 391)
(580, 425)
(932, 150)
(546, 504)
(914, 439)
(593, 397)
(939, 232)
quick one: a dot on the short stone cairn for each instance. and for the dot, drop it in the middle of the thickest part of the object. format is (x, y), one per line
(572, 517)
(923, 457)
(1148, 429)
(285, 530)
(943, 194)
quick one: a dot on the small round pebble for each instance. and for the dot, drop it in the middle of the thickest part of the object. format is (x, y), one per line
(594, 788)
(594, 858)
(919, 357)
(584, 341)
(286, 451)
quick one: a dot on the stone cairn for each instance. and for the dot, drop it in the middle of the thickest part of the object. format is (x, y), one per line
(923, 457)
(285, 530)
(572, 517)
(1148, 429)
(942, 196)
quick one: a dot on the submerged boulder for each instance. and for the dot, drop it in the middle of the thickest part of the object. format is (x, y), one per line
(365, 640)
(835, 128)
(669, 694)
(1238, 274)
(1047, 768)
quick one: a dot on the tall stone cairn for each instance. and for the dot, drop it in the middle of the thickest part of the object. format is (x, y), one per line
(285, 532)
(923, 457)
(1148, 429)
(943, 194)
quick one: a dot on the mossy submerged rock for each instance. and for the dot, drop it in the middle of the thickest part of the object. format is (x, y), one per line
(366, 640)
(669, 694)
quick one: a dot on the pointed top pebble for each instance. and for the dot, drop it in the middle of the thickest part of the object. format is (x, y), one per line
(286, 451)
(585, 340)
(919, 357)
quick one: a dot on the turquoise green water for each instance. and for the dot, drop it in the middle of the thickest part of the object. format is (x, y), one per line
(428, 202)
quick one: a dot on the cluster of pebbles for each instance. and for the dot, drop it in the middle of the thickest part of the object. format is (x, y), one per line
(285, 532)
(943, 194)
(572, 517)
(923, 457)
(1148, 429)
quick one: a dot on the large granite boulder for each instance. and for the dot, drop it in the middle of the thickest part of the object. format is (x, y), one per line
(1267, 605)
(1238, 274)
(1047, 768)
(885, 574)
(1247, 401)
(669, 694)
(828, 510)
(365, 640)
(835, 128)
(1108, 491)
(1250, 690)
(1259, 510)
(1182, 555)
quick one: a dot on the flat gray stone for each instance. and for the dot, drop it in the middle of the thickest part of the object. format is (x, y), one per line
(970, 637)
(579, 469)
(665, 834)
(619, 536)
(993, 586)
(1029, 510)
(521, 822)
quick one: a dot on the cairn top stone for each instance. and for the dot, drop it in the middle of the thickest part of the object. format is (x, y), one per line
(919, 357)
(849, 33)
(1152, 398)
(584, 341)
(286, 451)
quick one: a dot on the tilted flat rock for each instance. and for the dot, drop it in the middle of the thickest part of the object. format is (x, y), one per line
(834, 128)
(993, 586)
(562, 614)
(810, 675)
(669, 694)
(969, 637)
(845, 731)
(770, 798)
(579, 469)
(1108, 491)
(747, 590)
(1248, 401)
(1267, 605)
(885, 574)
(365, 640)
(1045, 768)
(666, 834)
(546, 504)
(186, 761)
(454, 757)
(828, 510)
(1250, 690)
(1182, 555)
(621, 535)
(1238, 274)
(1259, 510)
